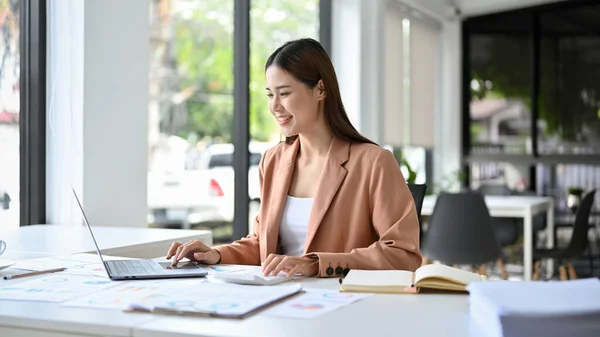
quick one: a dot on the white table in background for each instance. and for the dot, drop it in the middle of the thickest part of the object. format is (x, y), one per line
(117, 241)
(525, 207)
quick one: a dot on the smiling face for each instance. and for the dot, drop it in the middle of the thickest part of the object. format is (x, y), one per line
(294, 105)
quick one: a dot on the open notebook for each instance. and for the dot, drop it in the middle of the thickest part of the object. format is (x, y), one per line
(432, 276)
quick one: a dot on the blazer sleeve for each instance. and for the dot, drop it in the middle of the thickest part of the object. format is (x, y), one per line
(394, 219)
(246, 250)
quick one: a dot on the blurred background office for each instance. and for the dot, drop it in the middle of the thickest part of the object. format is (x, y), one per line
(149, 107)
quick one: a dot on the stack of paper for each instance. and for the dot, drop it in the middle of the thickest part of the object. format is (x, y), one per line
(568, 308)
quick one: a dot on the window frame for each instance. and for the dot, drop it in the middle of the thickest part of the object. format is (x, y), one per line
(32, 115)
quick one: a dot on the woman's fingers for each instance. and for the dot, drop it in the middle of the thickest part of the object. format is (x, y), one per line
(178, 256)
(185, 250)
(293, 271)
(283, 263)
(272, 264)
(173, 249)
(268, 261)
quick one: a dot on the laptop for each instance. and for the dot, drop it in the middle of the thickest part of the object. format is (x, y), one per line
(143, 269)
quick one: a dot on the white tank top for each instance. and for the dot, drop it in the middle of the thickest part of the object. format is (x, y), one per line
(294, 225)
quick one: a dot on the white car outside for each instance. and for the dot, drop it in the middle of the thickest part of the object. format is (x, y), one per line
(204, 195)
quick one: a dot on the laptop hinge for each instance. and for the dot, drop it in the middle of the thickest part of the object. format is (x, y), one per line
(107, 268)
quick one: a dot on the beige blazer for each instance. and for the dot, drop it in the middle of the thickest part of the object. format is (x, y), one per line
(363, 214)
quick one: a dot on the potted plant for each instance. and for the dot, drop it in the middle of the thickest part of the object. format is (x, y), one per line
(412, 174)
(574, 198)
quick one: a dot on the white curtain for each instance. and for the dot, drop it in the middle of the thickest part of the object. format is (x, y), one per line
(64, 161)
(424, 75)
(412, 72)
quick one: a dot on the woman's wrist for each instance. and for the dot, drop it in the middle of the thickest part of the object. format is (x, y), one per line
(220, 257)
(314, 264)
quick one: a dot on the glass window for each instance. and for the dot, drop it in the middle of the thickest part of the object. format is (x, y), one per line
(221, 160)
(500, 107)
(569, 100)
(9, 115)
(190, 177)
(564, 179)
(272, 23)
(511, 175)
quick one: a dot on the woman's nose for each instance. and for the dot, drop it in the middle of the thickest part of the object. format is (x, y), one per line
(275, 104)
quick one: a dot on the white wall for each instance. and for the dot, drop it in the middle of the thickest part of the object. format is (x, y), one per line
(371, 69)
(346, 55)
(114, 128)
(116, 111)
(356, 54)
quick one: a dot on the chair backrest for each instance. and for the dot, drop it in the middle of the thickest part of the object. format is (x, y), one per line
(418, 192)
(579, 239)
(460, 230)
(507, 229)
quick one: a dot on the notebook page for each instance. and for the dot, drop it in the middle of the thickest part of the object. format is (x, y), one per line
(447, 272)
(378, 278)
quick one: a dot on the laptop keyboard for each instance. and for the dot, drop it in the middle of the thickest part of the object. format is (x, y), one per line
(136, 267)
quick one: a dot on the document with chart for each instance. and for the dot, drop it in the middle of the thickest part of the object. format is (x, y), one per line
(214, 299)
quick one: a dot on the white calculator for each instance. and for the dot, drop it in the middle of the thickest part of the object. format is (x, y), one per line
(250, 278)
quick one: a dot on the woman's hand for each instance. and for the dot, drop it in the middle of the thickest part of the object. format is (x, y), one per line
(291, 265)
(193, 250)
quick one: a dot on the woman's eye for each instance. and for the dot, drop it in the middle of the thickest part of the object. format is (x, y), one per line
(284, 94)
(270, 95)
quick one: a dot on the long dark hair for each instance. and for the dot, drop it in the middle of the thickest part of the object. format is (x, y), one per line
(307, 61)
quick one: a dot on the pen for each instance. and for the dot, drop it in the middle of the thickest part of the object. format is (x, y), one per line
(41, 272)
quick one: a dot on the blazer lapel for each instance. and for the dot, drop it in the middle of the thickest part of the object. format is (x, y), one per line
(279, 192)
(330, 181)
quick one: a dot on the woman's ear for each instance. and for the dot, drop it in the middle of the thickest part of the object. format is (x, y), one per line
(321, 90)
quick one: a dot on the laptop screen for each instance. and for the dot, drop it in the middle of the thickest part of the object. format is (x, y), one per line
(88, 226)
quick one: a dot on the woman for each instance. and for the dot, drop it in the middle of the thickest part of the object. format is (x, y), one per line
(331, 200)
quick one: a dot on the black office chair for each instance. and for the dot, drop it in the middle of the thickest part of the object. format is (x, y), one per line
(577, 245)
(460, 231)
(507, 230)
(418, 192)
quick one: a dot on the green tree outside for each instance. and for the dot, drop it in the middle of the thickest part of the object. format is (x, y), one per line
(202, 54)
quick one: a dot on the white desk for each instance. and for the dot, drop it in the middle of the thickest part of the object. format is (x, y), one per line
(19, 318)
(379, 315)
(117, 241)
(525, 207)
